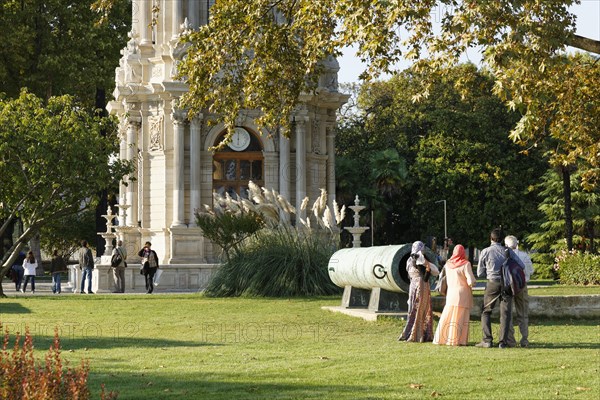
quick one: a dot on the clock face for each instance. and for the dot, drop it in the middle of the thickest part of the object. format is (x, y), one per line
(240, 140)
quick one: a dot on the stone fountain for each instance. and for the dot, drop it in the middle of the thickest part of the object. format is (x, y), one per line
(356, 230)
(109, 235)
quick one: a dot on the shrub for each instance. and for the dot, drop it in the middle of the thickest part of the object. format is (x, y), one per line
(22, 377)
(281, 259)
(577, 268)
(277, 263)
(543, 263)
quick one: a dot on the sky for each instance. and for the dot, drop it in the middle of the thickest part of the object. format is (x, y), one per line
(588, 25)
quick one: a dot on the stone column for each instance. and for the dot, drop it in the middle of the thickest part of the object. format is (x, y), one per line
(203, 13)
(300, 164)
(123, 154)
(178, 118)
(284, 166)
(177, 17)
(194, 13)
(330, 170)
(141, 12)
(133, 126)
(195, 166)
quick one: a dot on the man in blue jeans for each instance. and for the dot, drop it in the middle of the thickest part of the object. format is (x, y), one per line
(86, 265)
(490, 264)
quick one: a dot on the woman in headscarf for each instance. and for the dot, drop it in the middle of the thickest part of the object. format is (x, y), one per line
(419, 322)
(453, 328)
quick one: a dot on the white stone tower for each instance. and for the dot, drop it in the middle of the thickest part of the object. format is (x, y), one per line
(176, 173)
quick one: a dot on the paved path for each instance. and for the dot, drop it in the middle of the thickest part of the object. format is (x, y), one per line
(44, 288)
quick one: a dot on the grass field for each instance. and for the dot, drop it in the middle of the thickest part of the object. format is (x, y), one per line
(193, 347)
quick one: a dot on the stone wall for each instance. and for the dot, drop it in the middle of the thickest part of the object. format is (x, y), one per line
(583, 306)
(178, 277)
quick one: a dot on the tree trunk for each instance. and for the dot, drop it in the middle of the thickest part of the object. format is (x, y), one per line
(592, 236)
(566, 175)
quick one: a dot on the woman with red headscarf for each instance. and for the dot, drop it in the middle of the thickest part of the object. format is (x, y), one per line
(453, 328)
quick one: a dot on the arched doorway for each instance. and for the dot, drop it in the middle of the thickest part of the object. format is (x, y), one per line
(238, 163)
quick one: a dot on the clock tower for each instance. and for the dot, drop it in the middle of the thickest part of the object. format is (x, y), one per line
(176, 170)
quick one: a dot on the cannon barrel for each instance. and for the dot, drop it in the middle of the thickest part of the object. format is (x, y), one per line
(374, 267)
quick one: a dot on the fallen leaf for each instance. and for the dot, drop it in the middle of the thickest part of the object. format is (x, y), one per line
(582, 388)
(435, 394)
(415, 386)
(161, 366)
(323, 358)
(149, 384)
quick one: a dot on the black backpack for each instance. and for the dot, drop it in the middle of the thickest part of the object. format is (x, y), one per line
(513, 276)
(116, 259)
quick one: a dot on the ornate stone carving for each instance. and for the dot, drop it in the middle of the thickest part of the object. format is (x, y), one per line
(132, 44)
(156, 138)
(329, 79)
(122, 128)
(157, 71)
(315, 137)
(178, 115)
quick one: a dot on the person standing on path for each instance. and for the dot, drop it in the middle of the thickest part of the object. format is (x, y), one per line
(119, 269)
(57, 266)
(29, 266)
(86, 265)
(149, 265)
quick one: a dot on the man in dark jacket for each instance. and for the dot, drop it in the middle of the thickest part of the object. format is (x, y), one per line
(86, 265)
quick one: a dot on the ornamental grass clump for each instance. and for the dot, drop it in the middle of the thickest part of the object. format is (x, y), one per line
(284, 258)
(578, 268)
(22, 377)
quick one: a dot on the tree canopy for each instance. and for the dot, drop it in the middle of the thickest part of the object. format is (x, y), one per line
(53, 161)
(265, 53)
(56, 47)
(455, 147)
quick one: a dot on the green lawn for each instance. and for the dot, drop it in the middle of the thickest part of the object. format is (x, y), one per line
(192, 347)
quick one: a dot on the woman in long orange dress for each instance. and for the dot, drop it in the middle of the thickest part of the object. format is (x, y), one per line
(453, 328)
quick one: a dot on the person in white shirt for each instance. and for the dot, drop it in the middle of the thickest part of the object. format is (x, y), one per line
(29, 266)
(521, 300)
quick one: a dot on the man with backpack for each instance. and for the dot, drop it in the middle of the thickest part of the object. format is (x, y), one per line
(118, 264)
(521, 299)
(491, 260)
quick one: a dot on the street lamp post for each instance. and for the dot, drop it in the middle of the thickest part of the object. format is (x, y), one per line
(445, 220)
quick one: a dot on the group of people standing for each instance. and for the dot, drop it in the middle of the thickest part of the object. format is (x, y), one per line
(149, 266)
(453, 326)
(24, 269)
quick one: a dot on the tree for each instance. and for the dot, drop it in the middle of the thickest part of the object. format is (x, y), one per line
(228, 229)
(56, 47)
(53, 162)
(263, 54)
(455, 147)
(64, 234)
(549, 237)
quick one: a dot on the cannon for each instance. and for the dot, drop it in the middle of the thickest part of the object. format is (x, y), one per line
(375, 277)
